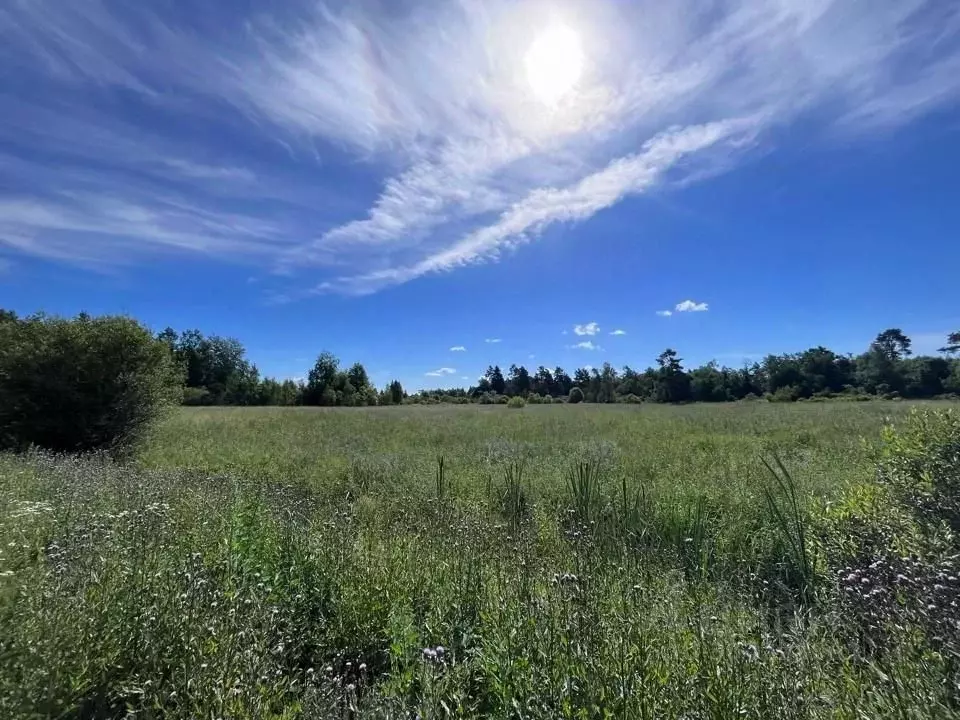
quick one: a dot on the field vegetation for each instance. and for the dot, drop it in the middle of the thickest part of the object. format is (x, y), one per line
(706, 561)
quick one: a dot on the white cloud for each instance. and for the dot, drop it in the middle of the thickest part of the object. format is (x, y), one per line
(586, 345)
(619, 332)
(210, 172)
(531, 356)
(458, 348)
(464, 377)
(429, 102)
(664, 313)
(589, 329)
(691, 306)
(440, 372)
(493, 340)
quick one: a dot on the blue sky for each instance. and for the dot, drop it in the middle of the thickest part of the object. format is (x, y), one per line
(390, 180)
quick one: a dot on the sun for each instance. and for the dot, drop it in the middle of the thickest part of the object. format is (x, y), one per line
(554, 63)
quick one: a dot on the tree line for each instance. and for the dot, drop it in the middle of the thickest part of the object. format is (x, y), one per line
(98, 384)
(217, 372)
(886, 369)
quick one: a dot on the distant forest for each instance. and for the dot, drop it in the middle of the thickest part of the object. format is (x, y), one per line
(216, 371)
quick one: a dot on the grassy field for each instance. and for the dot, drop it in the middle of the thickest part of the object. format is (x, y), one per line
(480, 561)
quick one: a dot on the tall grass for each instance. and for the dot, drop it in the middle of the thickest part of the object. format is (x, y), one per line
(287, 564)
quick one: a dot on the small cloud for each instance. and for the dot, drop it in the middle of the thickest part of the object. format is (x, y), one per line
(691, 306)
(588, 368)
(664, 313)
(492, 340)
(458, 348)
(531, 356)
(589, 329)
(586, 345)
(464, 377)
(440, 372)
(565, 333)
(619, 332)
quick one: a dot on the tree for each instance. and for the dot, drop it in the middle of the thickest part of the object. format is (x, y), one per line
(673, 384)
(357, 375)
(707, 384)
(953, 343)
(215, 364)
(581, 378)
(562, 382)
(495, 377)
(925, 376)
(576, 396)
(395, 391)
(892, 344)
(321, 379)
(606, 384)
(82, 384)
(542, 382)
(519, 381)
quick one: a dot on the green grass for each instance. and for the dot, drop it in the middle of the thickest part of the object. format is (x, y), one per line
(472, 561)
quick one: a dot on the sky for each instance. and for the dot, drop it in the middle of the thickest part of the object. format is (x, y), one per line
(434, 187)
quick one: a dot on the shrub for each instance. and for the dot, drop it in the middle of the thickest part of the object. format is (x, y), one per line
(516, 402)
(82, 384)
(920, 463)
(576, 395)
(788, 393)
(197, 396)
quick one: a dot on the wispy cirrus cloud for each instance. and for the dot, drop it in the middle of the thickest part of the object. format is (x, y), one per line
(493, 341)
(619, 332)
(302, 103)
(586, 345)
(441, 372)
(664, 313)
(458, 348)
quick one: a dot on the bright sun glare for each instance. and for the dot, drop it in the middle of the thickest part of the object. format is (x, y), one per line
(554, 63)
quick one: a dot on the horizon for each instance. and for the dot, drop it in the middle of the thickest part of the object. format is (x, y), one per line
(432, 187)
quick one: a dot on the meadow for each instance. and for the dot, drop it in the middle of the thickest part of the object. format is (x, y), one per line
(744, 560)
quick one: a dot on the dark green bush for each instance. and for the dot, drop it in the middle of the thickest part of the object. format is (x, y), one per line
(83, 384)
(576, 395)
(198, 396)
(516, 402)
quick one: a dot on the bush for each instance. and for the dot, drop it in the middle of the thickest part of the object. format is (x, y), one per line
(789, 393)
(920, 463)
(82, 384)
(197, 396)
(576, 395)
(516, 402)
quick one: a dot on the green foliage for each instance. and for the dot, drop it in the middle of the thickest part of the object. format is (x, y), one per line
(516, 403)
(219, 366)
(920, 462)
(953, 343)
(83, 384)
(790, 520)
(576, 396)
